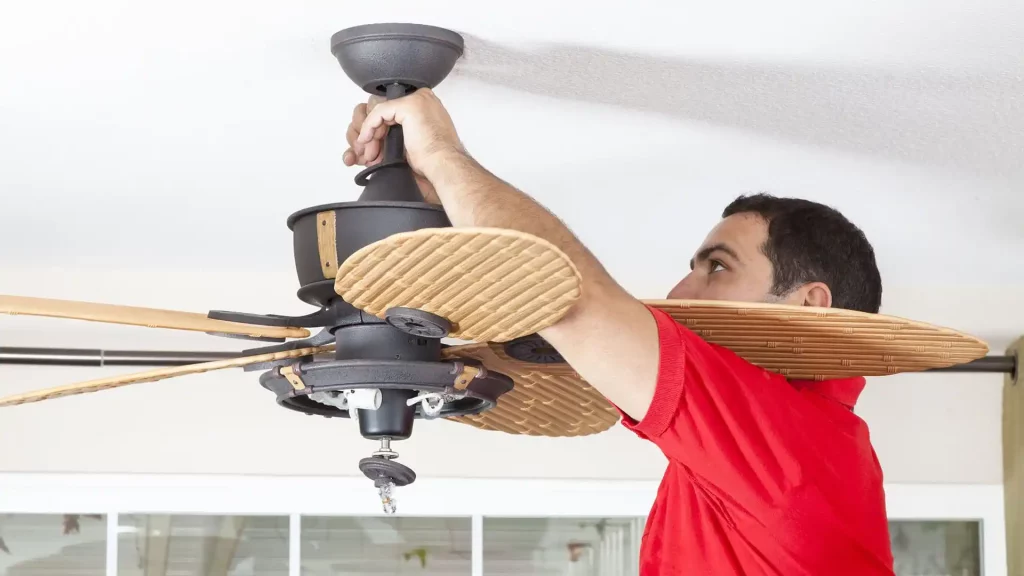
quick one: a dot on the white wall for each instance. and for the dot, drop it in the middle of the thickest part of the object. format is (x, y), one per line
(925, 429)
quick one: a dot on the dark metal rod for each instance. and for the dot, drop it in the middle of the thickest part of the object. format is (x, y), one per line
(999, 364)
(91, 357)
(95, 357)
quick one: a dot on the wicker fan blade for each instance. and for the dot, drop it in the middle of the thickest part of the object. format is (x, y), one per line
(551, 399)
(802, 342)
(153, 376)
(548, 399)
(491, 284)
(135, 316)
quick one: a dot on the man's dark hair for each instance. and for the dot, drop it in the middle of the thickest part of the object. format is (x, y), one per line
(811, 242)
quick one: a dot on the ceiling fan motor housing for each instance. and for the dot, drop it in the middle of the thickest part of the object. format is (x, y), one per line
(348, 227)
(389, 60)
(394, 359)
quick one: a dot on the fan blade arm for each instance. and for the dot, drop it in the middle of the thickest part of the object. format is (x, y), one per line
(139, 316)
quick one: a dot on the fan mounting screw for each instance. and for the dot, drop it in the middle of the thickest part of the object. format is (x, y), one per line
(533, 348)
(385, 450)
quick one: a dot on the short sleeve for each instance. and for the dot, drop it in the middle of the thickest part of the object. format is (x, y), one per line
(669, 389)
(737, 426)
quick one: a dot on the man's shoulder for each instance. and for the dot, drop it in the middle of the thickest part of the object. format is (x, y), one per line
(694, 344)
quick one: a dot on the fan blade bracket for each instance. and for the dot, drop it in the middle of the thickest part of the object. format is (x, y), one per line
(273, 364)
(323, 317)
(245, 337)
(323, 338)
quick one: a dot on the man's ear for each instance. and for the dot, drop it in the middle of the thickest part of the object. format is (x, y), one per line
(817, 294)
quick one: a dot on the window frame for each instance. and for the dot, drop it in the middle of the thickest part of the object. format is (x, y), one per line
(475, 498)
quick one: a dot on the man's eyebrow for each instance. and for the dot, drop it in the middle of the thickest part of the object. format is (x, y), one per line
(706, 253)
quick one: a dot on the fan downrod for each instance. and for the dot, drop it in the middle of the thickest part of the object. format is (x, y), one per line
(389, 60)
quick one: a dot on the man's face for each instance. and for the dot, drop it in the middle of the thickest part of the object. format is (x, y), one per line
(730, 264)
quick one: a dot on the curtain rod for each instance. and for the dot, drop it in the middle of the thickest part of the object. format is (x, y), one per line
(97, 357)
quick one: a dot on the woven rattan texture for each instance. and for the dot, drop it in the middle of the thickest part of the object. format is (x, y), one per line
(548, 399)
(807, 343)
(491, 284)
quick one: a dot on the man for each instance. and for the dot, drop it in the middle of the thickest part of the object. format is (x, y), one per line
(765, 475)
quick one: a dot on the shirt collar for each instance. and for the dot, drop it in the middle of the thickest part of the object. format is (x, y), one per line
(846, 391)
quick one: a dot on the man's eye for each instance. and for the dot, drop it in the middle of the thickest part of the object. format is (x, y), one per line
(715, 266)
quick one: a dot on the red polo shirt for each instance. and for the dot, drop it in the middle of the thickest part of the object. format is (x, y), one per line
(765, 475)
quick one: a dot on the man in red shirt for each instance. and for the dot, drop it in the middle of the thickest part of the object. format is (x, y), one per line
(765, 475)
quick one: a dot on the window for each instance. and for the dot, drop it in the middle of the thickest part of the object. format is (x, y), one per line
(562, 546)
(49, 544)
(327, 526)
(185, 545)
(379, 545)
(936, 548)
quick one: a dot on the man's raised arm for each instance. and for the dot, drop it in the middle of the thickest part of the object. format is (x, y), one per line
(625, 368)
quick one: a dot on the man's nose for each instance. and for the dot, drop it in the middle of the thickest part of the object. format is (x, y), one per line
(686, 289)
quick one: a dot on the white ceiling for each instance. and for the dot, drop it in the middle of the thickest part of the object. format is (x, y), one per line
(150, 154)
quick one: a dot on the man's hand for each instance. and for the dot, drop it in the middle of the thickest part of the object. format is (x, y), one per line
(359, 153)
(429, 134)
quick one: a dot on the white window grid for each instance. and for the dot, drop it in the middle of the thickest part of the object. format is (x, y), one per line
(475, 498)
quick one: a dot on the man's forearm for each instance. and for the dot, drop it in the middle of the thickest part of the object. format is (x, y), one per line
(624, 369)
(473, 197)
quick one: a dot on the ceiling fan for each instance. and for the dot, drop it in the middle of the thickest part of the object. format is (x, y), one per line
(390, 278)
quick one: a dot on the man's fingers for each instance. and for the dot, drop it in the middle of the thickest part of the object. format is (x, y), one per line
(364, 157)
(371, 151)
(370, 124)
(380, 133)
(367, 150)
(382, 115)
(359, 113)
(352, 134)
